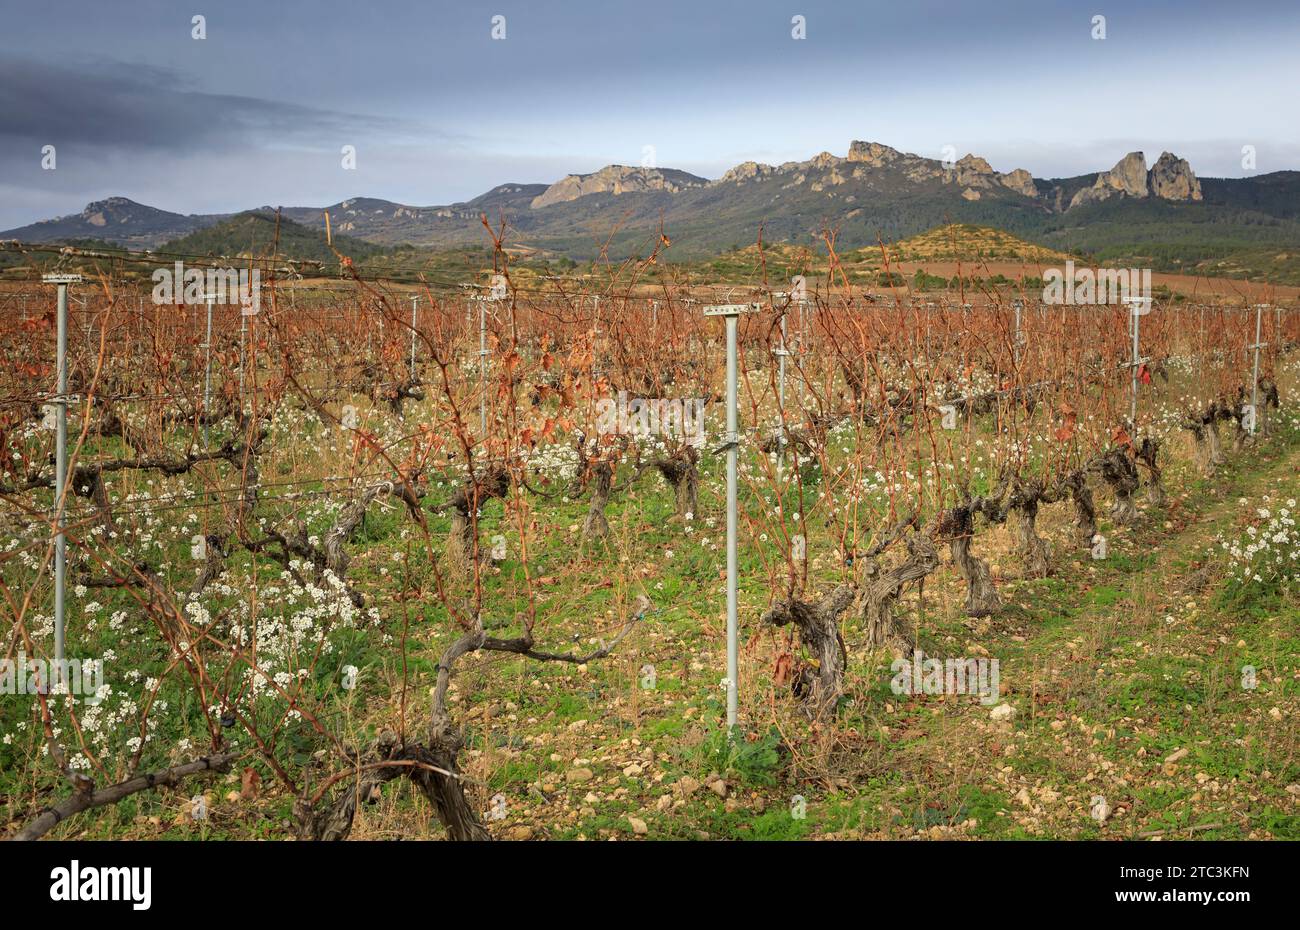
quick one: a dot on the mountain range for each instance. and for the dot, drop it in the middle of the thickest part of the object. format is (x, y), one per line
(1162, 214)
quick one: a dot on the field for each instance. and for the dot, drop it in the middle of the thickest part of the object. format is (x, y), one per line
(353, 577)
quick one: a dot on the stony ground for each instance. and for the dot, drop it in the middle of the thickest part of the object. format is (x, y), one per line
(1124, 710)
(1129, 718)
(1123, 714)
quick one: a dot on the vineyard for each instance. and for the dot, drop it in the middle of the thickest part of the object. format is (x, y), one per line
(375, 560)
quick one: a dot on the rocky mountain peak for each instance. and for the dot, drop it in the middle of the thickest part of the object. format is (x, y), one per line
(746, 171)
(969, 172)
(1129, 176)
(872, 154)
(617, 179)
(975, 164)
(119, 210)
(1020, 181)
(1171, 178)
(109, 203)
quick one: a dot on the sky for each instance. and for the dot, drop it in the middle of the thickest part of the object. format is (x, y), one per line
(439, 110)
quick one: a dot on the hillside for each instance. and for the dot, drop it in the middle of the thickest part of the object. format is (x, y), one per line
(255, 234)
(1215, 239)
(964, 242)
(983, 250)
(115, 219)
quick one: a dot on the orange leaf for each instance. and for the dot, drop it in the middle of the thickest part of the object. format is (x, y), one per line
(250, 783)
(784, 666)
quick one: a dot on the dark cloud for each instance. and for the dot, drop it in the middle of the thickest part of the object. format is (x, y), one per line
(139, 107)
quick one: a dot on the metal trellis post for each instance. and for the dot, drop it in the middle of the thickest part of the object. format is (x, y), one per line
(731, 442)
(781, 352)
(207, 370)
(1138, 307)
(60, 465)
(482, 368)
(1254, 378)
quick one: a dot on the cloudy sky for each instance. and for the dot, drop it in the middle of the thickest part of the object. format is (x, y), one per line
(439, 110)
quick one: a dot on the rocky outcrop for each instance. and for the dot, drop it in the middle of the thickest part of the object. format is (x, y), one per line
(1020, 181)
(823, 161)
(617, 179)
(974, 172)
(1129, 176)
(866, 156)
(873, 154)
(1171, 178)
(919, 170)
(746, 171)
(971, 172)
(970, 175)
(974, 164)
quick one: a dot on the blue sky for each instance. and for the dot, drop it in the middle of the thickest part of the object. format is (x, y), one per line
(440, 111)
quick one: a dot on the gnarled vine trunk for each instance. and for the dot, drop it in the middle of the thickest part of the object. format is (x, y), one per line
(1208, 447)
(1034, 550)
(958, 526)
(1148, 451)
(432, 766)
(462, 539)
(1204, 426)
(1269, 396)
(1118, 471)
(819, 683)
(602, 480)
(1085, 509)
(681, 471)
(881, 589)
